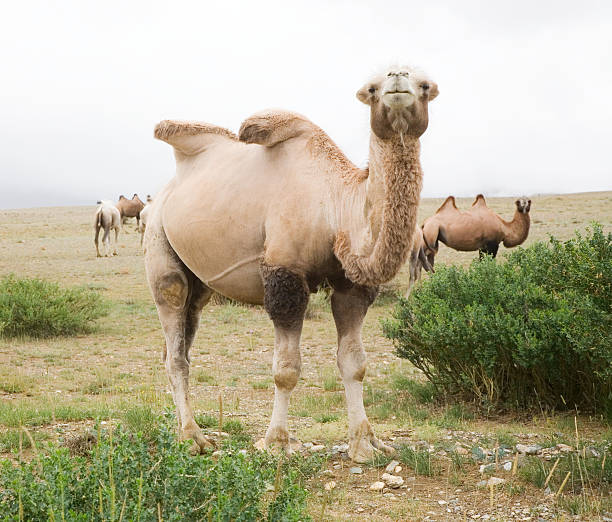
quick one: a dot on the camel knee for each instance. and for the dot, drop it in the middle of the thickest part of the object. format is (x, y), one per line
(285, 296)
(352, 362)
(171, 289)
(287, 376)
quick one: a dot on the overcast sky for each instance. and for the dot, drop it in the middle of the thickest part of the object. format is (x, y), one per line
(524, 106)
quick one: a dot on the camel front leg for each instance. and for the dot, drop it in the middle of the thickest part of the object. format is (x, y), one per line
(349, 308)
(285, 299)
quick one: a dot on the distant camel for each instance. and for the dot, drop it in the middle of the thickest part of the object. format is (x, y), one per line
(130, 208)
(144, 216)
(108, 218)
(418, 258)
(478, 228)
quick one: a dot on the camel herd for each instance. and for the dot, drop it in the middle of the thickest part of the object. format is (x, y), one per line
(268, 215)
(111, 216)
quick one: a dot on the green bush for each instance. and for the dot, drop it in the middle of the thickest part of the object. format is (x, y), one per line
(535, 330)
(128, 477)
(38, 308)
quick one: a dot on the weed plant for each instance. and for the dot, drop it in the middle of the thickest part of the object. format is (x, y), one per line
(37, 308)
(126, 476)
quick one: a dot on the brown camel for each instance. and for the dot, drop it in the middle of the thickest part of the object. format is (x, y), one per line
(266, 216)
(108, 218)
(478, 228)
(418, 258)
(130, 208)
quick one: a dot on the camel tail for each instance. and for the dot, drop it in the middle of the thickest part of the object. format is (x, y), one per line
(190, 137)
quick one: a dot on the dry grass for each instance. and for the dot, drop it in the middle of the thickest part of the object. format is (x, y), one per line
(56, 384)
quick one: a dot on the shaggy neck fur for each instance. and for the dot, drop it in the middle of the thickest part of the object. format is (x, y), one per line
(516, 231)
(393, 190)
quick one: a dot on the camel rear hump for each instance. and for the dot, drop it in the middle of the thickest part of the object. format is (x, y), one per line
(190, 137)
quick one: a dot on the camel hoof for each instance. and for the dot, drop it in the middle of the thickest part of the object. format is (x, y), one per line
(277, 447)
(201, 443)
(364, 449)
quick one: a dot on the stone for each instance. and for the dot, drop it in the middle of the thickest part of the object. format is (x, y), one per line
(532, 449)
(460, 450)
(481, 484)
(564, 448)
(507, 465)
(494, 481)
(592, 452)
(397, 469)
(337, 466)
(330, 485)
(393, 481)
(377, 486)
(356, 470)
(316, 448)
(391, 466)
(486, 468)
(442, 502)
(308, 445)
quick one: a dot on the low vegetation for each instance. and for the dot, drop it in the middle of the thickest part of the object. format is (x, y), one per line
(127, 475)
(38, 308)
(534, 331)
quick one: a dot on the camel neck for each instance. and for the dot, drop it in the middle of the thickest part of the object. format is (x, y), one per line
(516, 231)
(392, 193)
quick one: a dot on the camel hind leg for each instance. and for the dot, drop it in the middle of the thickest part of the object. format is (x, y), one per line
(96, 239)
(179, 296)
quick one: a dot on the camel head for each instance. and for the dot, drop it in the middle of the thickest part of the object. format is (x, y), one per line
(398, 102)
(523, 204)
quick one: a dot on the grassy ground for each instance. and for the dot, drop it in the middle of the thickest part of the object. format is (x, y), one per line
(59, 386)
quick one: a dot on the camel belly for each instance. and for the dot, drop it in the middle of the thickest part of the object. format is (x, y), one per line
(218, 235)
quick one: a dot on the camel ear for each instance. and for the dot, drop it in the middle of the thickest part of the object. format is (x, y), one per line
(433, 91)
(366, 95)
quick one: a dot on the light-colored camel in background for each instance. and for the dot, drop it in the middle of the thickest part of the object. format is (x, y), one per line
(267, 216)
(130, 208)
(478, 228)
(108, 218)
(144, 213)
(418, 258)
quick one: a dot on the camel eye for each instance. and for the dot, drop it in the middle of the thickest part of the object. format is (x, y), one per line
(371, 90)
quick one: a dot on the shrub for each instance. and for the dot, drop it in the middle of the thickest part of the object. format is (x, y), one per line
(535, 330)
(127, 477)
(38, 308)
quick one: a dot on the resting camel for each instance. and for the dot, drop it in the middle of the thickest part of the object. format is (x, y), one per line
(478, 228)
(107, 217)
(418, 258)
(130, 208)
(143, 217)
(267, 216)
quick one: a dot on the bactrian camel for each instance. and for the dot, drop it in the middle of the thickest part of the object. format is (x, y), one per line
(144, 213)
(478, 228)
(108, 218)
(265, 217)
(130, 208)
(418, 258)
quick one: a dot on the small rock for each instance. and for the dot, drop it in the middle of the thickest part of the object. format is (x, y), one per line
(337, 466)
(327, 472)
(494, 481)
(481, 484)
(460, 450)
(218, 453)
(564, 448)
(316, 448)
(307, 445)
(377, 486)
(397, 469)
(360, 510)
(507, 466)
(391, 466)
(533, 449)
(592, 452)
(442, 502)
(486, 468)
(330, 485)
(393, 481)
(356, 470)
